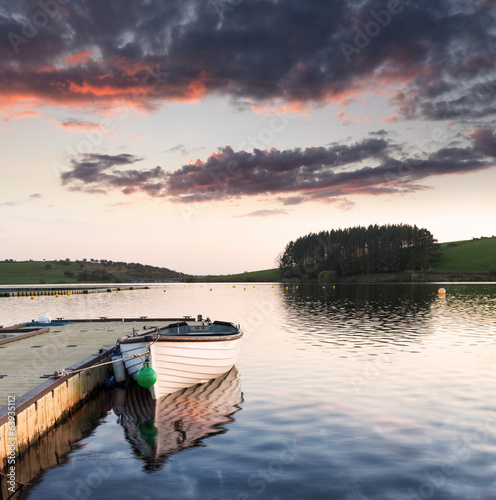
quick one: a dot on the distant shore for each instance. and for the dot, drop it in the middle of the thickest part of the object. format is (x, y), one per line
(465, 261)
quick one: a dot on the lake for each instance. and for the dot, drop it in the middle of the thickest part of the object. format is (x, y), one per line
(358, 392)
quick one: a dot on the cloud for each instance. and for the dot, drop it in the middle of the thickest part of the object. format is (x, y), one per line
(373, 166)
(344, 204)
(437, 56)
(264, 213)
(184, 150)
(17, 203)
(98, 173)
(484, 141)
(79, 126)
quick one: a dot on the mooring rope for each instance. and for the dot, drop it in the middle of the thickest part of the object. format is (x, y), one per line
(64, 372)
(13, 479)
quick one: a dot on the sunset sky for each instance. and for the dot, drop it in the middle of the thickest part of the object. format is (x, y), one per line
(204, 135)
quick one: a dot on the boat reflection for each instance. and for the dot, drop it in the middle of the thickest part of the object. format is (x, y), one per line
(157, 428)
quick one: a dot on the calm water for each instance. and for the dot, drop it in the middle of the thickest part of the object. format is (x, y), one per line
(359, 392)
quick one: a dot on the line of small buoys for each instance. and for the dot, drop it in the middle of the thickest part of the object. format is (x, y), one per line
(323, 287)
(57, 292)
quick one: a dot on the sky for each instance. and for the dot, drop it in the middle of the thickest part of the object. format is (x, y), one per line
(204, 135)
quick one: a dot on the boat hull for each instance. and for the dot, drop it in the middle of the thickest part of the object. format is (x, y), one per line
(181, 361)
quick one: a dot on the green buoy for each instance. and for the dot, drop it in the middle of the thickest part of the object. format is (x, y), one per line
(148, 431)
(147, 376)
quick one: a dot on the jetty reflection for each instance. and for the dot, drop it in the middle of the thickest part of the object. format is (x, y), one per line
(157, 428)
(55, 447)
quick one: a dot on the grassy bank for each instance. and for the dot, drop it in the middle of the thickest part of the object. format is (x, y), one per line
(469, 255)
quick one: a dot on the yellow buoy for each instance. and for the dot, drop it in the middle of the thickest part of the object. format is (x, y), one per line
(297, 287)
(32, 297)
(210, 289)
(244, 288)
(234, 286)
(165, 290)
(69, 293)
(286, 288)
(56, 295)
(441, 291)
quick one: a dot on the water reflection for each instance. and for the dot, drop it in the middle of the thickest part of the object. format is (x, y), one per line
(55, 448)
(403, 315)
(370, 392)
(157, 428)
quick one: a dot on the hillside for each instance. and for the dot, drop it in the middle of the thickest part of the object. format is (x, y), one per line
(468, 255)
(267, 275)
(93, 271)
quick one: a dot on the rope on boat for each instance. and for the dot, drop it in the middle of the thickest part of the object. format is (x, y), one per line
(64, 372)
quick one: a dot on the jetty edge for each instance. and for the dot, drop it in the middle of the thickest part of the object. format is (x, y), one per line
(32, 408)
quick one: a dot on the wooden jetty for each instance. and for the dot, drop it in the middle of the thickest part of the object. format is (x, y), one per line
(31, 401)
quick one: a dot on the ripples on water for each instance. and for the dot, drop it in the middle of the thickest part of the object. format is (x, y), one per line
(355, 392)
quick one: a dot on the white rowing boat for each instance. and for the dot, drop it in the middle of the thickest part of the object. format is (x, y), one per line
(182, 354)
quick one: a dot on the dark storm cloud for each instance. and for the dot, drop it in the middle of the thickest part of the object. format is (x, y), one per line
(485, 141)
(144, 53)
(372, 166)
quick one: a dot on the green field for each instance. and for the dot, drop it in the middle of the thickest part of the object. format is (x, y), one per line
(467, 255)
(267, 275)
(23, 273)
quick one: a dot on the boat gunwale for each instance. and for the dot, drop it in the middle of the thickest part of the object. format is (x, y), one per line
(147, 337)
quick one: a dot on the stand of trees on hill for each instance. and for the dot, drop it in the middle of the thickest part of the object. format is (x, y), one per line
(359, 250)
(110, 271)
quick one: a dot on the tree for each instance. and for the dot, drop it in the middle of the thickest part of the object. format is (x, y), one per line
(358, 250)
